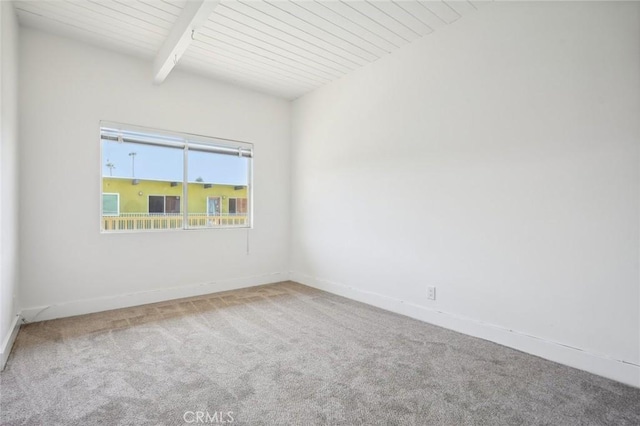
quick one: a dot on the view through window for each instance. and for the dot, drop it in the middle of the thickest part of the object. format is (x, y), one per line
(156, 180)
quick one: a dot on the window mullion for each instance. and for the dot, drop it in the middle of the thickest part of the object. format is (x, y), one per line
(185, 187)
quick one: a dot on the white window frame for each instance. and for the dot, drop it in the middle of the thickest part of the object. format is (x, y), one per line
(186, 141)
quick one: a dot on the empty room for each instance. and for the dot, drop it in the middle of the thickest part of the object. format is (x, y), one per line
(319, 212)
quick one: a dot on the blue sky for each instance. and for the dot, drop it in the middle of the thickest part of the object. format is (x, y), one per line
(163, 163)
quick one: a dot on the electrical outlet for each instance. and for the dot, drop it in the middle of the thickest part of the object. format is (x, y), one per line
(431, 293)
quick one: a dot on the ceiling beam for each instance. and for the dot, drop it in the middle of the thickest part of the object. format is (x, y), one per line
(194, 14)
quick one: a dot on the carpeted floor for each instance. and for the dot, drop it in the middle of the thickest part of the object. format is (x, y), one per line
(286, 354)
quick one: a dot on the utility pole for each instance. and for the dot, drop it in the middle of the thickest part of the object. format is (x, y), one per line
(133, 163)
(111, 166)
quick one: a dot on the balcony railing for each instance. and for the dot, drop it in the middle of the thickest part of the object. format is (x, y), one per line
(150, 221)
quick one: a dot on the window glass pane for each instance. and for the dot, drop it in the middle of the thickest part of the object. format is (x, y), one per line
(215, 181)
(143, 175)
(156, 204)
(172, 205)
(238, 206)
(110, 204)
(213, 206)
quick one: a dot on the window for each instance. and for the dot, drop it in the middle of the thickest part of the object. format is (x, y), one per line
(237, 206)
(110, 204)
(213, 206)
(164, 204)
(157, 180)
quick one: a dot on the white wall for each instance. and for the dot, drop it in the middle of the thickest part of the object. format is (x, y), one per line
(67, 266)
(498, 160)
(9, 302)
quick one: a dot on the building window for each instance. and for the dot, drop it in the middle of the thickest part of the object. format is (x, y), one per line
(157, 180)
(237, 206)
(164, 204)
(110, 204)
(213, 206)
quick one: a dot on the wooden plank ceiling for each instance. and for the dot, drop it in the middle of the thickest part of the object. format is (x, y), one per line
(285, 48)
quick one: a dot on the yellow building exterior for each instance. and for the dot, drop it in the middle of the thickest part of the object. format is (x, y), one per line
(150, 204)
(135, 198)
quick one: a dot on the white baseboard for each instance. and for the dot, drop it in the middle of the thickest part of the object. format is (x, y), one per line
(601, 365)
(88, 306)
(9, 339)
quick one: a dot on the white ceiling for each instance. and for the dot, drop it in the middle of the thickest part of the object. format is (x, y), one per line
(285, 48)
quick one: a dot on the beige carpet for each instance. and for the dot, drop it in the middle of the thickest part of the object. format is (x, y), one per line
(286, 354)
